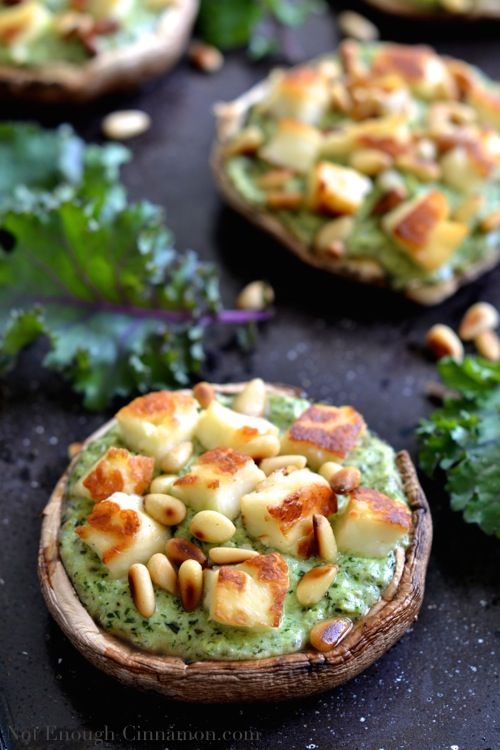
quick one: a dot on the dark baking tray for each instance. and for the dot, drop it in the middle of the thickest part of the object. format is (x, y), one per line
(438, 688)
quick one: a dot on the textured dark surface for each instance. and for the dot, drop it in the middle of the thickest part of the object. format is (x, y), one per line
(438, 688)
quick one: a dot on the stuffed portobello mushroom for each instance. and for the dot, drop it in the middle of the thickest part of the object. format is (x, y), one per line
(380, 164)
(235, 543)
(440, 9)
(60, 50)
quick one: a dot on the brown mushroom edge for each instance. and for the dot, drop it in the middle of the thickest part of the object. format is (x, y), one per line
(230, 117)
(407, 9)
(112, 71)
(276, 678)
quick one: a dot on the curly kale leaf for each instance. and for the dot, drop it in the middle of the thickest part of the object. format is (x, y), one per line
(463, 440)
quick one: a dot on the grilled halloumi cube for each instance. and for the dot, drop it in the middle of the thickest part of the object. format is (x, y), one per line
(294, 145)
(337, 190)
(249, 595)
(390, 134)
(420, 227)
(372, 524)
(221, 427)
(301, 94)
(22, 23)
(279, 513)
(419, 66)
(157, 422)
(324, 433)
(217, 480)
(121, 533)
(117, 471)
(469, 165)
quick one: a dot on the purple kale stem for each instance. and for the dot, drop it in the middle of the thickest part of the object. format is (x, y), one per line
(227, 317)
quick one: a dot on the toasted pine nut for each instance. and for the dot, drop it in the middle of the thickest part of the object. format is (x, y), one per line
(190, 584)
(491, 222)
(165, 509)
(469, 208)
(230, 555)
(356, 26)
(325, 538)
(479, 317)
(391, 180)
(488, 345)
(252, 399)
(127, 123)
(346, 480)
(283, 199)
(314, 584)
(178, 457)
(329, 469)
(444, 342)
(178, 550)
(268, 465)
(426, 149)
(162, 483)
(205, 57)
(370, 161)
(267, 446)
(274, 178)
(427, 171)
(327, 634)
(141, 589)
(333, 231)
(74, 449)
(204, 393)
(255, 296)
(163, 573)
(248, 141)
(212, 527)
(341, 99)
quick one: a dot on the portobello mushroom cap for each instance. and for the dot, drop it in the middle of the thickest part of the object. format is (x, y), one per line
(230, 118)
(276, 678)
(481, 10)
(108, 72)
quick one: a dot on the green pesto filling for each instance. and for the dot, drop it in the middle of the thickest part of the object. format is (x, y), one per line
(50, 46)
(192, 635)
(367, 239)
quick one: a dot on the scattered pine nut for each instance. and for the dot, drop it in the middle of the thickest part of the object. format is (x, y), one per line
(479, 317)
(205, 57)
(255, 296)
(268, 465)
(356, 26)
(275, 178)
(212, 527)
(190, 580)
(442, 341)
(74, 449)
(286, 200)
(177, 458)
(314, 584)
(325, 538)
(163, 573)
(327, 634)
(346, 480)
(204, 393)
(141, 589)
(488, 345)
(127, 123)
(252, 400)
(165, 509)
(178, 550)
(162, 484)
(230, 555)
(329, 469)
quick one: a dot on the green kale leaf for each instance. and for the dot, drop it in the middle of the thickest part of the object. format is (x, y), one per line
(463, 440)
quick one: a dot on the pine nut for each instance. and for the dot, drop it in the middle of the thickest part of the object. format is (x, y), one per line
(329, 469)
(479, 317)
(230, 555)
(248, 141)
(391, 180)
(162, 483)
(356, 26)
(488, 345)
(285, 200)
(141, 589)
(74, 449)
(204, 393)
(127, 123)
(346, 480)
(267, 446)
(165, 509)
(205, 57)
(370, 161)
(442, 341)
(275, 178)
(332, 232)
(427, 171)
(268, 465)
(252, 400)
(255, 296)
(314, 584)
(327, 634)
(163, 573)
(325, 538)
(212, 527)
(341, 99)
(179, 550)
(177, 458)
(190, 584)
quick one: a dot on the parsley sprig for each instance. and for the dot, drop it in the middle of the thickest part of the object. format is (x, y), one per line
(463, 440)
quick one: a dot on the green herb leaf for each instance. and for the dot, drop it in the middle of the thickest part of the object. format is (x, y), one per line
(463, 439)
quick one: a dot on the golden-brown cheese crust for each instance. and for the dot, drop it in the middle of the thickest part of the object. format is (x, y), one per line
(118, 471)
(157, 407)
(383, 507)
(415, 229)
(119, 523)
(334, 430)
(301, 505)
